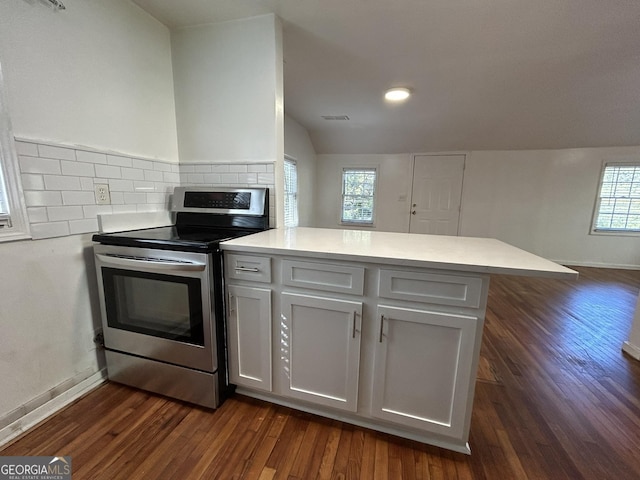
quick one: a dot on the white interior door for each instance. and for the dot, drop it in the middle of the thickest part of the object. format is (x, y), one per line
(436, 194)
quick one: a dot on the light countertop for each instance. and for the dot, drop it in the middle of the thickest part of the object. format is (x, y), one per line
(462, 254)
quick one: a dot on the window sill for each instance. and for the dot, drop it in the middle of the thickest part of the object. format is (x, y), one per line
(13, 236)
(615, 233)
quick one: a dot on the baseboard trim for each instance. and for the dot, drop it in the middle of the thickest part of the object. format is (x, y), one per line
(18, 426)
(631, 350)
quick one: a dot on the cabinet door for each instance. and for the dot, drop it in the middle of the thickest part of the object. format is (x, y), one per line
(424, 369)
(320, 349)
(249, 324)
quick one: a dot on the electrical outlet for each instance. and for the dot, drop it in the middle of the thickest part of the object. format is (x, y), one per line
(102, 194)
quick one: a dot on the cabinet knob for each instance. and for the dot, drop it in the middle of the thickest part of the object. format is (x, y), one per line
(413, 212)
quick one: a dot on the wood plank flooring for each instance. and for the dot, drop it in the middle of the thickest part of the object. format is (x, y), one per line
(555, 399)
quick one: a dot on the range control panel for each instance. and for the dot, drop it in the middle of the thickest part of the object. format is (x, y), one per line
(243, 201)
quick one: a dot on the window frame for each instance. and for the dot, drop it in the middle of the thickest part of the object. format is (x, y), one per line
(291, 196)
(596, 209)
(360, 223)
(17, 228)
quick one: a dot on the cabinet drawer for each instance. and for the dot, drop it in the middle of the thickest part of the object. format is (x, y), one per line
(453, 290)
(322, 276)
(248, 267)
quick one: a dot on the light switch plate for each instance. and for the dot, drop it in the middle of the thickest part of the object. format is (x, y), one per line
(102, 194)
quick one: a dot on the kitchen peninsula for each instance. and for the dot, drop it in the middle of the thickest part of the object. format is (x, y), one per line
(378, 329)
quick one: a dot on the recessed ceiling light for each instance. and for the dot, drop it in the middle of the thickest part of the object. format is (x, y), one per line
(397, 94)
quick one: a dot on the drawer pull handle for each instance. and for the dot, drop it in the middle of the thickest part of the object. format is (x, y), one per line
(353, 332)
(247, 269)
(381, 326)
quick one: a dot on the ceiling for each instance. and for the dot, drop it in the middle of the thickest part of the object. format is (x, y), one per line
(485, 74)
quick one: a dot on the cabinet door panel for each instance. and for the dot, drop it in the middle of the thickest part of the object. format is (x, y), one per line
(423, 369)
(320, 349)
(250, 337)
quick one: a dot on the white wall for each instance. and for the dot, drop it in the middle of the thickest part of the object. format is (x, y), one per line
(538, 200)
(393, 189)
(96, 74)
(229, 94)
(226, 90)
(298, 146)
(542, 201)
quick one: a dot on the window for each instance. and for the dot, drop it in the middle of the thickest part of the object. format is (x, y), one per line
(358, 194)
(290, 193)
(618, 204)
(13, 225)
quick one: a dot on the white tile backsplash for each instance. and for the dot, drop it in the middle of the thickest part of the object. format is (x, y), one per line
(58, 184)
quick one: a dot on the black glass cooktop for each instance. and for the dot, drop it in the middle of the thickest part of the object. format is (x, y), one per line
(194, 239)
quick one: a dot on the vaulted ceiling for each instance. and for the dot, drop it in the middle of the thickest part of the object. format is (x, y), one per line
(485, 75)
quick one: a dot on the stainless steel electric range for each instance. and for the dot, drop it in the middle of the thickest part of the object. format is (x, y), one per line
(161, 294)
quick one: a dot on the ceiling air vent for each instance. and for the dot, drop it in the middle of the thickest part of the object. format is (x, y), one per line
(335, 117)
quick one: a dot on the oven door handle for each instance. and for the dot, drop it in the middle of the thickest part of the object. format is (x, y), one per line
(155, 264)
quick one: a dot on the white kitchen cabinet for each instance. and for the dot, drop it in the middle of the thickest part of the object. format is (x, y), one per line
(320, 349)
(423, 369)
(249, 336)
(379, 329)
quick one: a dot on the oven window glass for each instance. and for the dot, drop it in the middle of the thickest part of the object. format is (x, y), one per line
(163, 306)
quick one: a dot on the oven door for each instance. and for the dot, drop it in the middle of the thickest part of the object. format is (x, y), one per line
(158, 304)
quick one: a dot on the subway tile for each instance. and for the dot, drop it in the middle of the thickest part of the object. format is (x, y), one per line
(220, 168)
(83, 226)
(153, 176)
(49, 230)
(42, 198)
(256, 168)
(145, 187)
(130, 198)
(237, 168)
(117, 198)
(132, 173)
(119, 161)
(60, 153)
(195, 178)
(92, 211)
(78, 198)
(229, 178)
(27, 148)
(31, 181)
(202, 168)
(86, 183)
(61, 182)
(116, 185)
(266, 178)
(79, 169)
(57, 214)
(171, 177)
(37, 214)
(108, 171)
(39, 165)
(212, 178)
(142, 164)
(248, 178)
(162, 167)
(187, 168)
(124, 209)
(91, 157)
(160, 198)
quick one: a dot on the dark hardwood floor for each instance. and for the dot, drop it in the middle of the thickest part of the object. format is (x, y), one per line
(555, 399)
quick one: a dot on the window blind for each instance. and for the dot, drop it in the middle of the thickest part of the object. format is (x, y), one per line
(619, 199)
(358, 192)
(290, 193)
